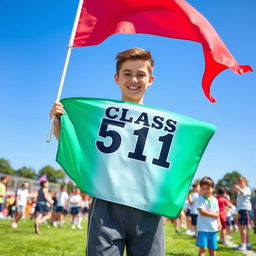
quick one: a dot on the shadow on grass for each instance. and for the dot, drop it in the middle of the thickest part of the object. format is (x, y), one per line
(177, 254)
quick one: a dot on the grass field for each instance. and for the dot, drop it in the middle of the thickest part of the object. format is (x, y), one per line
(67, 242)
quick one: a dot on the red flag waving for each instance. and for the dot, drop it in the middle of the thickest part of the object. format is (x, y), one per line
(169, 18)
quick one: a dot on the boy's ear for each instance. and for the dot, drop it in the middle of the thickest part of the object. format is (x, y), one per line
(151, 80)
(116, 77)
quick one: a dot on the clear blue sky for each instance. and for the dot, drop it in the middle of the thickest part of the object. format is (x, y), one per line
(33, 39)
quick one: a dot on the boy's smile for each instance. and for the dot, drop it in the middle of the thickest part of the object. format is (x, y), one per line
(134, 78)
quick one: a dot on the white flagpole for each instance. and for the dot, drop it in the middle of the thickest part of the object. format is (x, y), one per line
(71, 41)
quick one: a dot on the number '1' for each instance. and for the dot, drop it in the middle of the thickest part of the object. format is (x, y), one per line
(140, 145)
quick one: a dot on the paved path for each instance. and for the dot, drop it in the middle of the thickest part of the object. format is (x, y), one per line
(233, 246)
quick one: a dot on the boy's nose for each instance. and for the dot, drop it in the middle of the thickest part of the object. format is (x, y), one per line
(134, 79)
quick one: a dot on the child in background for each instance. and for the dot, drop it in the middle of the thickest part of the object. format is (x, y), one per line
(223, 203)
(193, 209)
(244, 207)
(254, 211)
(75, 201)
(186, 210)
(208, 221)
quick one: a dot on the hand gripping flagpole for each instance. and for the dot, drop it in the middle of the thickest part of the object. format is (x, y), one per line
(70, 46)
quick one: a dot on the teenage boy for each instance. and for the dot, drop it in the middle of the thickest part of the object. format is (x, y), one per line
(208, 221)
(243, 203)
(112, 226)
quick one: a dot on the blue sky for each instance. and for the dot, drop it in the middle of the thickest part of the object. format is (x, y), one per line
(33, 40)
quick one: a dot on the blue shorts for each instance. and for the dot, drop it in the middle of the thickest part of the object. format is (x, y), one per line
(75, 210)
(1, 207)
(207, 239)
(194, 219)
(243, 217)
(42, 208)
(59, 209)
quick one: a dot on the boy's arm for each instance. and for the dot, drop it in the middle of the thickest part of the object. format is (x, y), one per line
(208, 214)
(57, 110)
(189, 200)
(47, 196)
(219, 224)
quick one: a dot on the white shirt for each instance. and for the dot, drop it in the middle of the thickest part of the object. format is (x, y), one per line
(62, 198)
(75, 198)
(207, 224)
(22, 195)
(243, 201)
(194, 197)
(187, 206)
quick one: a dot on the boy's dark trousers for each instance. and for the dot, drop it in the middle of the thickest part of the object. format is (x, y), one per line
(112, 227)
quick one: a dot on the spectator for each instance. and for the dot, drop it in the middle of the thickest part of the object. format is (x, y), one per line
(43, 206)
(75, 208)
(244, 207)
(4, 180)
(193, 210)
(231, 219)
(223, 203)
(62, 201)
(10, 205)
(254, 211)
(21, 203)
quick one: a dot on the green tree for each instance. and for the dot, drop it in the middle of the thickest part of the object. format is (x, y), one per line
(228, 181)
(53, 175)
(70, 187)
(26, 172)
(5, 167)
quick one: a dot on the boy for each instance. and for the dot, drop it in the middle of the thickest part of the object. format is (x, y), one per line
(208, 222)
(244, 207)
(111, 226)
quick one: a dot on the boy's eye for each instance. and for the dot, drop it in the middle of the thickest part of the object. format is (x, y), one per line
(141, 75)
(127, 74)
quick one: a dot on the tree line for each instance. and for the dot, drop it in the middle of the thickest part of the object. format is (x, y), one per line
(53, 175)
(58, 175)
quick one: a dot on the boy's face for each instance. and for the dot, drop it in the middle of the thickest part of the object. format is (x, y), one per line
(134, 79)
(241, 183)
(207, 190)
(197, 188)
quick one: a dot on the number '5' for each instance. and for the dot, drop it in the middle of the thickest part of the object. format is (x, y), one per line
(115, 136)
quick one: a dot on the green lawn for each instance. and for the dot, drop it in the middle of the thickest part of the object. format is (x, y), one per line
(67, 242)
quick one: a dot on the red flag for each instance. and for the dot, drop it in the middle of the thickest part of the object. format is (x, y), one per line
(170, 18)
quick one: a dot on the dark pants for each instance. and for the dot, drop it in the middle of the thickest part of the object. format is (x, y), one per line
(112, 227)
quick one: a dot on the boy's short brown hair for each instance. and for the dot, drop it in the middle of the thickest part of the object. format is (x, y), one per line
(134, 54)
(207, 181)
(243, 179)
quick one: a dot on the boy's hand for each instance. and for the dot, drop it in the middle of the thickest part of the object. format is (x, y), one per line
(219, 226)
(57, 109)
(236, 188)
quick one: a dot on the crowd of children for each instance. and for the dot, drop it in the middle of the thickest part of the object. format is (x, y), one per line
(207, 211)
(46, 207)
(215, 212)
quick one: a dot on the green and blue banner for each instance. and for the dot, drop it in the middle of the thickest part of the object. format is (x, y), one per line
(131, 154)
